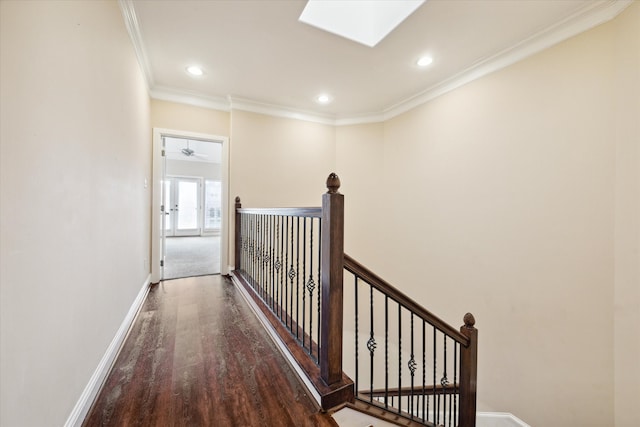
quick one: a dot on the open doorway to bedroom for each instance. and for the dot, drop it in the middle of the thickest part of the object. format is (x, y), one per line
(192, 207)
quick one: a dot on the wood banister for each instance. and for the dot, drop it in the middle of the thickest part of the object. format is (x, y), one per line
(383, 286)
(331, 260)
(301, 212)
(468, 373)
(324, 369)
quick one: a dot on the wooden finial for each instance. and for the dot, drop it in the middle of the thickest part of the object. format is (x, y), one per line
(333, 183)
(469, 320)
(237, 199)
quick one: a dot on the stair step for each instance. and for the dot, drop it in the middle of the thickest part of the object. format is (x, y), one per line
(379, 417)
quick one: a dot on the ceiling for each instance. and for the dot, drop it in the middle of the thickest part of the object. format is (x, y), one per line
(257, 56)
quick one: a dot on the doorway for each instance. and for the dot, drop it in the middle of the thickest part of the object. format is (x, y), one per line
(190, 235)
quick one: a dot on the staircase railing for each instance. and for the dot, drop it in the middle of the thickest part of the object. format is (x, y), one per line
(404, 359)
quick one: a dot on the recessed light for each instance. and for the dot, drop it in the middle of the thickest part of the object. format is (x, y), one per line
(424, 61)
(323, 98)
(194, 70)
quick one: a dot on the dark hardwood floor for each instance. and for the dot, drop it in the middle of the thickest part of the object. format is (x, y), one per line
(197, 356)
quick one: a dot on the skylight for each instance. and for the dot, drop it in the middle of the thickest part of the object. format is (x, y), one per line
(363, 21)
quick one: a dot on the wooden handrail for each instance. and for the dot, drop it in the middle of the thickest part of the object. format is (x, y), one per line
(383, 286)
(417, 391)
(312, 212)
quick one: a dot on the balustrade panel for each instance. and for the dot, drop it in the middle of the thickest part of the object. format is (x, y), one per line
(280, 259)
(398, 358)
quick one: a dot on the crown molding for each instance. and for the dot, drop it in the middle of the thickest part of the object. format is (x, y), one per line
(191, 98)
(596, 13)
(591, 16)
(133, 28)
(360, 119)
(252, 106)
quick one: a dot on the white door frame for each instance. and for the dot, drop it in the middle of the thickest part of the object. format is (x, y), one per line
(156, 198)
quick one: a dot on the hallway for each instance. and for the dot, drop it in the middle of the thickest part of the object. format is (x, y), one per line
(197, 356)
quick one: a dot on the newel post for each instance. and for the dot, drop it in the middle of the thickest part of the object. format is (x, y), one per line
(468, 373)
(331, 260)
(238, 235)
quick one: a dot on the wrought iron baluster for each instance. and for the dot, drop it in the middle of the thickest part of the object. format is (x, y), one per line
(371, 344)
(310, 287)
(436, 398)
(254, 272)
(319, 327)
(304, 276)
(356, 328)
(245, 265)
(386, 352)
(247, 262)
(273, 261)
(412, 369)
(256, 254)
(276, 263)
(425, 408)
(292, 275)
(444, 381)
(260, 259)
(298, 278)
(250, 247)
(399, 358)
(265, 258)
(283, 303)
(455, 383)
(283, 265)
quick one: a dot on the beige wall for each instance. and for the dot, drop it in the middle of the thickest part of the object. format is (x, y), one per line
(75, 153)
(627, 217)
(359, 165)
(174, 116)
(278, 161)
(517, 197)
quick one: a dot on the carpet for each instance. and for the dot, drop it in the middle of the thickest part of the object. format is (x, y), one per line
(191, 256)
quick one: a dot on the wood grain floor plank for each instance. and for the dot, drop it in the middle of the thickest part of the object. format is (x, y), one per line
(197, 356)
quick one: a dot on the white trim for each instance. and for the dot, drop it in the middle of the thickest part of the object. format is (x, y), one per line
(133, 28)
(158, 172)
(279, 111)
(349, 417)
(83, 405)
(277, 340)
(594, 14)
(190, 98)
(489, 419)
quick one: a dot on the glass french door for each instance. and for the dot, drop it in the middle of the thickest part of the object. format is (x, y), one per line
(182, 206)
(212, 206)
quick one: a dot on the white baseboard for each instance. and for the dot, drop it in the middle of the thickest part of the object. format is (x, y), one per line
(347, 417)
(499, 419)
(92, 389)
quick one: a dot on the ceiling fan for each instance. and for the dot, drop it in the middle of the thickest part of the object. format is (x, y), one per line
(191, 153)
